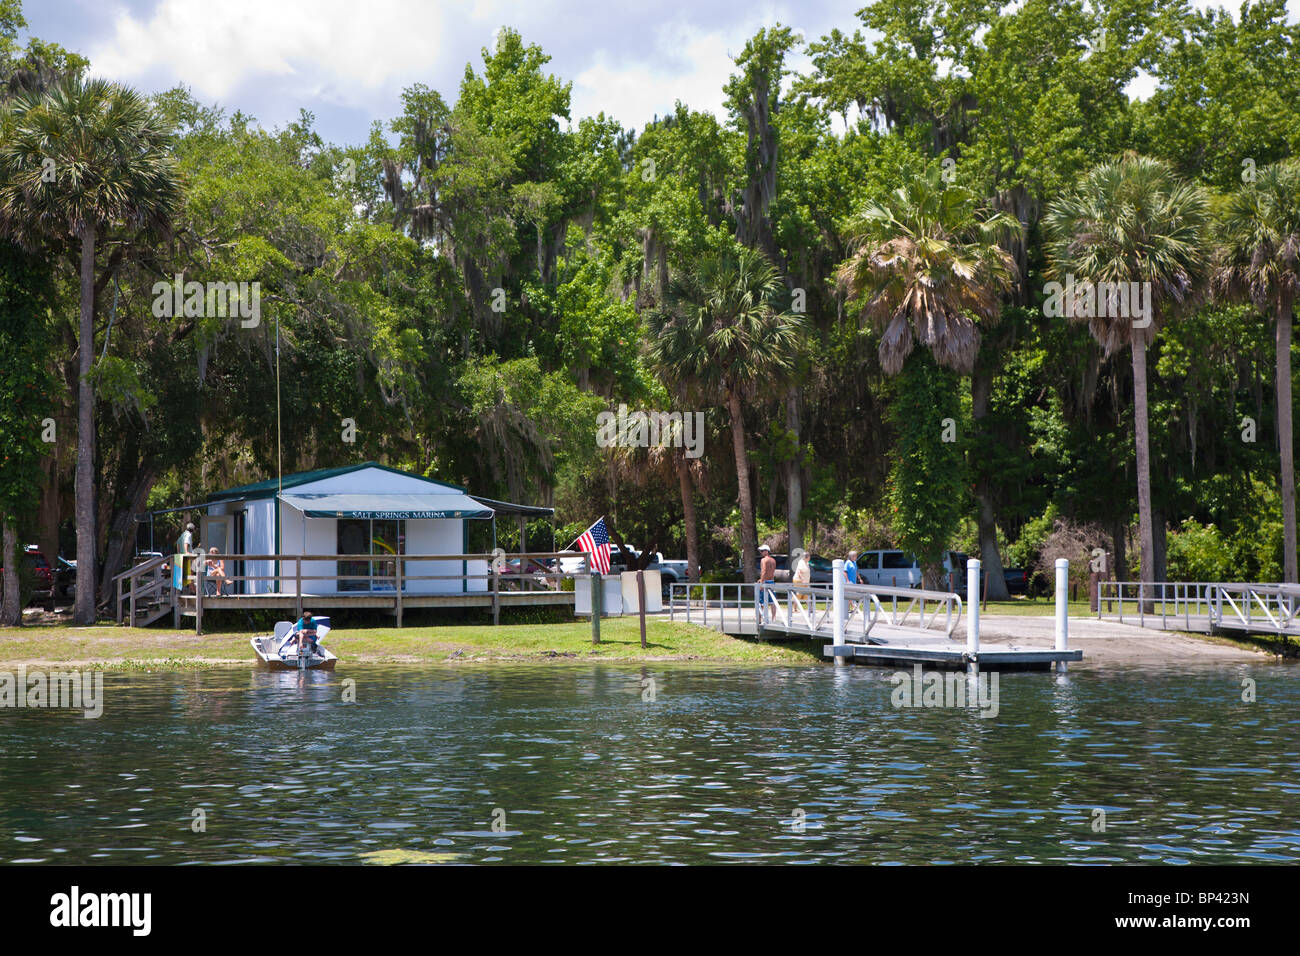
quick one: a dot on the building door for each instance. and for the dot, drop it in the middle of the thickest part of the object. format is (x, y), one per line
(354, 539)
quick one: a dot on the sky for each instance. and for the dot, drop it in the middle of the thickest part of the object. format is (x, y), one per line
(347, 61)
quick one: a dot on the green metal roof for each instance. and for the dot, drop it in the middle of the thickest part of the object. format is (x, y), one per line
(268, 488)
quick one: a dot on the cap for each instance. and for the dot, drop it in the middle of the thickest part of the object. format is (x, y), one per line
(763, 547)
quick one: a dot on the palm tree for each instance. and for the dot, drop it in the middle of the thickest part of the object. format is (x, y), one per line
(657, 465)
(721, 333)
(1260, 262)
(931, 269)
(77, 161)
(1132, 220)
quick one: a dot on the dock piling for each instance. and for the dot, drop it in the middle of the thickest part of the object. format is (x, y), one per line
(837, 606)
(1062, 607)
(972, 609)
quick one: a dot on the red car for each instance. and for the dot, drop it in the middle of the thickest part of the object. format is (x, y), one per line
(34, 559)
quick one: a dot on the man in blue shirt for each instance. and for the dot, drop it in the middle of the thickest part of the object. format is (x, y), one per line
(851, 577)
(304, 631)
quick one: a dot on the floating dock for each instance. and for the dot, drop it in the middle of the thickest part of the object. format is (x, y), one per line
(940, 651)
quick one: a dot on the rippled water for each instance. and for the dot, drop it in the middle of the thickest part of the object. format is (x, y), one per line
(805, 764)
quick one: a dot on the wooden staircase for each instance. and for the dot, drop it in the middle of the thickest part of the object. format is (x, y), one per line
(145, 593)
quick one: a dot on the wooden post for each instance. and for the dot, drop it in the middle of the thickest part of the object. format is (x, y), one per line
(297, 586)
(119, 604)
(496, 593)
(397, 572)
(198, 595)
(596, 603)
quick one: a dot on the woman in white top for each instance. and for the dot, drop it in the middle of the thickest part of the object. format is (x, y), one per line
(802, 573)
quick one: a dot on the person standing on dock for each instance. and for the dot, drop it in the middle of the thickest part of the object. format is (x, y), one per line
(851, 575)
(184, 556)
(767, 575)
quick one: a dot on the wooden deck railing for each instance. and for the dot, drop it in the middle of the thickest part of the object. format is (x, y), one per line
(292, 575)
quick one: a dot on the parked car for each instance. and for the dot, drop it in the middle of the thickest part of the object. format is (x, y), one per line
(65, 579)
(888, 568)
(42, 579)
(894, 568)
(820, 569)
(670, 572)
(1017, 580)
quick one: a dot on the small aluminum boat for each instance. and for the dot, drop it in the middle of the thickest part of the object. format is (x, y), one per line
(278, 652)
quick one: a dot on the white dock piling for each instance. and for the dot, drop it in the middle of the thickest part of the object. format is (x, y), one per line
(1062, 604)
(973, 607)
(837, 606)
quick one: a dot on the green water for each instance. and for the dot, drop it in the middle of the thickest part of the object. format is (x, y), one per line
(725, 764)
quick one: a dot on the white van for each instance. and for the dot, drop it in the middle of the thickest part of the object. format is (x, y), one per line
(891, 568)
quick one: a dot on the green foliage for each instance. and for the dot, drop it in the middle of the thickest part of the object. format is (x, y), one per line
(25, 381)
(928, 492)
(1198, 553)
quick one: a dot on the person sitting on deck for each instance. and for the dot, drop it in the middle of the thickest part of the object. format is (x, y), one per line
(305, 630)
(216, 574)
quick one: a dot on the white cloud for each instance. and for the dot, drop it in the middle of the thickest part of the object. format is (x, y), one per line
(341, 49)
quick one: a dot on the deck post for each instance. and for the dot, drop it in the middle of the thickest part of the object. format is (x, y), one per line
(198, 596)
(496, 590)
(397, 579)
(1062, 607)
(837, 605)
(297, 586)
(972, 609)
(596, 605)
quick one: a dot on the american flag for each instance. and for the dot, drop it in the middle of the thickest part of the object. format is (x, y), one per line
(595, 541)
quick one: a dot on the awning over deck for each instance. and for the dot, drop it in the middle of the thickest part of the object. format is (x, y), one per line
(388, 507)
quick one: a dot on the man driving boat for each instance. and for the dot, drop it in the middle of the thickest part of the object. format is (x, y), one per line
(304, 630)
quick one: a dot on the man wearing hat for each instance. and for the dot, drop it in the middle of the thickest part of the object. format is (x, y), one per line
(767, 575)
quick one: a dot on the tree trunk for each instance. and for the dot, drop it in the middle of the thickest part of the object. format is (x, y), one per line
(748, 527)
(121, 533)
(1159, 544)
(10, 613)
(1142, 436)
(688, 515)
(1118, 533)
(794, 474)
(981, 386)
(84, 612)
(48, 512)
(1285, 438)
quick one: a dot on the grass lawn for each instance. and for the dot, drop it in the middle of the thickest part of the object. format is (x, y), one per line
(1036, 607)
(112, 646)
